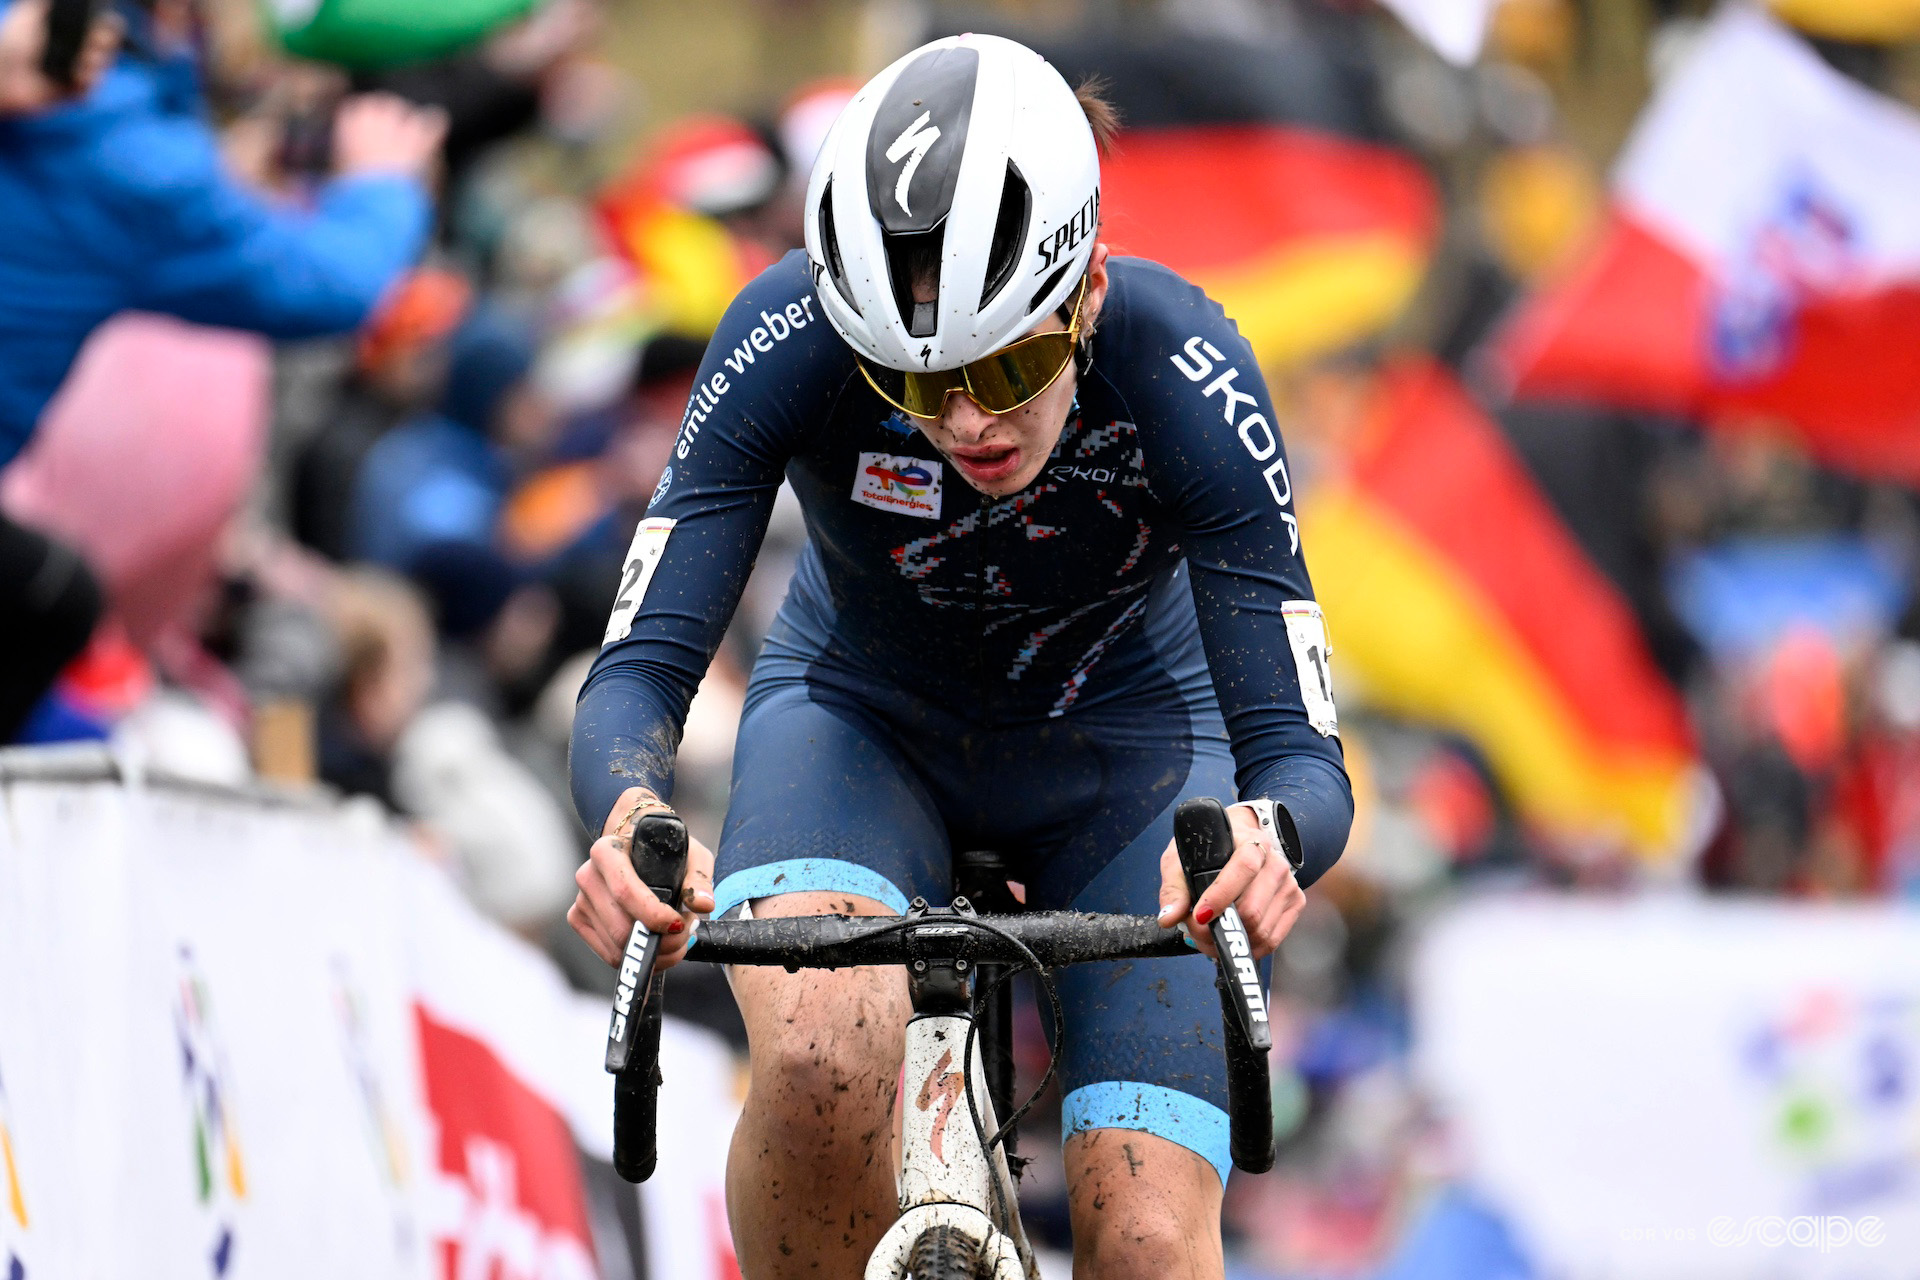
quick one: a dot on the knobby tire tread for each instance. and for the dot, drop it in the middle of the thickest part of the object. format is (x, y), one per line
(945, 1253)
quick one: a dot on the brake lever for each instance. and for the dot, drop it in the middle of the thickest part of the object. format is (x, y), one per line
(657, 848)
(1204, 837)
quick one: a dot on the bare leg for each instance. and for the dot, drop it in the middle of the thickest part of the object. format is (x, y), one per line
(1143, 1208)
(810, 1183)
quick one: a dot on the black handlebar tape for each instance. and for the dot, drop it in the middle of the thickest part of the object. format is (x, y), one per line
(1203, 835)
(1249, 1097)
(636, 1097)
(658, 850)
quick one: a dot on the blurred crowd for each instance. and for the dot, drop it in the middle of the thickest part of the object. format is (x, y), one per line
(380, 554)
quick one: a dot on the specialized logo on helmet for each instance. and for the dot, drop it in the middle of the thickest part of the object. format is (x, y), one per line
(1059, 246)
(913, 143)
(910, 185)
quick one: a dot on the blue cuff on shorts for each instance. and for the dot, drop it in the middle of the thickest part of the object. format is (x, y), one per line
(1194, 1123)
(806, 875)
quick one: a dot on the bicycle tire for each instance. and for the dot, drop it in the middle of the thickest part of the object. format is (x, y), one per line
(945, 1253)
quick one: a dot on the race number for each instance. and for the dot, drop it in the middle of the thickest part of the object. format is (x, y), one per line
(643, 557)
(1312, 658)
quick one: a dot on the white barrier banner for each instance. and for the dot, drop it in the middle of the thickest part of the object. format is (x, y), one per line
(242, 1041)
(1685, 1089)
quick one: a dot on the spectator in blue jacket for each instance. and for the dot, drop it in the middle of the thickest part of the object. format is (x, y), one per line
(113, 197)
(119, 201)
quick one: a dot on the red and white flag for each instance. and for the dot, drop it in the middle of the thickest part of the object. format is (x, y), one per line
(1762, 264)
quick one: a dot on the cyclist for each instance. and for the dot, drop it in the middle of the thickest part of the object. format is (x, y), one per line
(1108, 613)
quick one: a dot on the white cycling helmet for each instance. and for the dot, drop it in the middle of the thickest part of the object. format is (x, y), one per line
(972, 148)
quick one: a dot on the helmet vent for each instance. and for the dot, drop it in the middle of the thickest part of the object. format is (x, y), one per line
(1009, 234)
(830, 245)
(913, 259)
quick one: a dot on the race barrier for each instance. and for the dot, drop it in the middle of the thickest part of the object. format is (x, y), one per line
(1687, 1089)
(252, 1034)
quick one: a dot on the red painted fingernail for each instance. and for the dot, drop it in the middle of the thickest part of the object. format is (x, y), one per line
(1204, 916)
(678, 925)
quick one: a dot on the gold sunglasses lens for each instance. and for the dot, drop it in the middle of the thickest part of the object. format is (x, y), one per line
(1014, 375)
(920, 394)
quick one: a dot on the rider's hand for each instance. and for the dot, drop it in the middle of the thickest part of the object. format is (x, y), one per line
(611, 896)
(384, 133)
(1257, 879)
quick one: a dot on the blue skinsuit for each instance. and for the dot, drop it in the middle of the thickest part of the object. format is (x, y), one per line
(1047, 674)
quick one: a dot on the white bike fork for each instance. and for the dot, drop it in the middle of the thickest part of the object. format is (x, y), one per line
(945, 1177)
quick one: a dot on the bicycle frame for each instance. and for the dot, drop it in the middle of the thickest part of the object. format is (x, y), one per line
(946, 1178)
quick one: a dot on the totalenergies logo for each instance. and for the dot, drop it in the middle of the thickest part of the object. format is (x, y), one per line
(906, 485)
(913, 480)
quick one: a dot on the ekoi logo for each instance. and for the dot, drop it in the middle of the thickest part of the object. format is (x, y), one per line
(890, 483)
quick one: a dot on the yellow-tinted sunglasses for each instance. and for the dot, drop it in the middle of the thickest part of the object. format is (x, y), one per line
(998, 383)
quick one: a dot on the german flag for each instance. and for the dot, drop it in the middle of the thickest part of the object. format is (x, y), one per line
(1456, 596)
(1309, 240)
(663, 218)
(689, 267)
